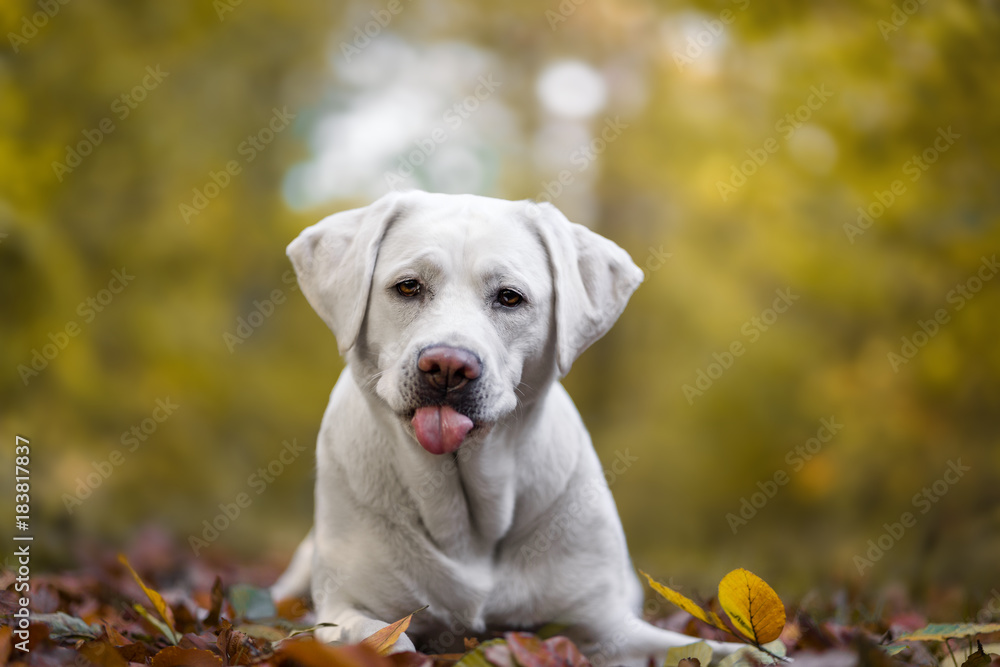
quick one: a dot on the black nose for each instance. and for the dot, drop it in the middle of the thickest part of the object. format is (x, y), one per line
(448, 368)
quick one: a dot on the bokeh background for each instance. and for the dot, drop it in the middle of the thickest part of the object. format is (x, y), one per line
(731, 147)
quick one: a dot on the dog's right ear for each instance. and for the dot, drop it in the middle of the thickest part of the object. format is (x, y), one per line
(334, 261)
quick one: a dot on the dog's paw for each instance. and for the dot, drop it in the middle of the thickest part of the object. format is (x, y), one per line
(358, 631)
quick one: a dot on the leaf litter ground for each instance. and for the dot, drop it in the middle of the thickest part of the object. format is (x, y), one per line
(159, 605)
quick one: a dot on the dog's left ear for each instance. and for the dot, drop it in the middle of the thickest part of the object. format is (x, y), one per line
(592, 281)
(334, 261)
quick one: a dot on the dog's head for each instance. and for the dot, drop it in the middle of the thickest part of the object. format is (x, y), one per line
(454, 310)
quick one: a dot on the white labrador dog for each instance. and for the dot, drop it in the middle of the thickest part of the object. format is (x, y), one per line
(453, 470)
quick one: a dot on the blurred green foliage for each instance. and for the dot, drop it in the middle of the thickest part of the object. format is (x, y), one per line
(804, 111)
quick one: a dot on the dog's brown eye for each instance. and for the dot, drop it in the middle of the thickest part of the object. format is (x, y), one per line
(408, 288)
(509, 298)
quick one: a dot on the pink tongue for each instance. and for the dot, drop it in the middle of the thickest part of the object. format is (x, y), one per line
(440, 430)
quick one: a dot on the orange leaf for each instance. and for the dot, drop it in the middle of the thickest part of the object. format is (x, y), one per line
(311, 653)
(383, 639)
(753, 606)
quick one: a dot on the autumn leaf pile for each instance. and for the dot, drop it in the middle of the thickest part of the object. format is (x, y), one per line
(154, 607)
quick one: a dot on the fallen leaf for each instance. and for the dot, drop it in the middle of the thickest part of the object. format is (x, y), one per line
(753, 606)
(312, 653)
(6, 643)
(939, 632)
(251, 603)
(382, 640)
(102, 654)
(292, 609)
(164, 629)
(174, 656)
(410, 659)
(487, 654)
(688, 605)
(528, 650)
(63, 626)
(700, 651)
(155, 598)
(566, 651)
(218, 596)
(114, 637)
(978, 659)
(751, 656)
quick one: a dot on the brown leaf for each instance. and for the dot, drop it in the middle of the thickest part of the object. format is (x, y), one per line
(383, 640)
(409, 659)
(239, 648)
(311, 653)
(291, 608)
(135, 652)
(114, 637)
(175, 656)
(528, 650)
(979, 658)
(218, 596)
(102, 654)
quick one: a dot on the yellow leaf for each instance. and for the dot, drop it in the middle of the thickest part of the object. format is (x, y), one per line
(155, 598)
(383, 639)
(690, 606)
(753, 606)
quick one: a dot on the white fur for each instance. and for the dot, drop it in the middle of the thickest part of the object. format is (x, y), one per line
(517, 528)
